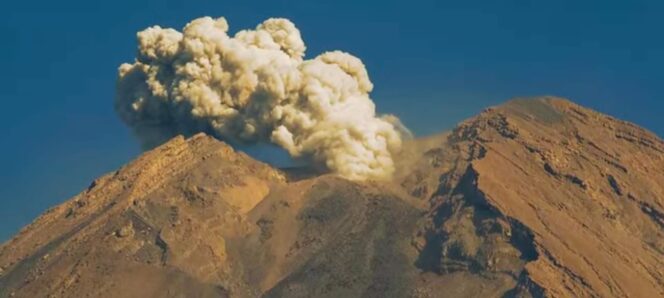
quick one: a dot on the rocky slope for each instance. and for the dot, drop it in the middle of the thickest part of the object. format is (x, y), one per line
(533, 198)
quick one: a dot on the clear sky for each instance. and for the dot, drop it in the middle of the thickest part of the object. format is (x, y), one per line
(433, 63)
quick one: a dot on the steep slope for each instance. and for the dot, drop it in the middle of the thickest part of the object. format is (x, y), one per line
(154, 227)
(533, 198)
(195, 218)
(578, 193)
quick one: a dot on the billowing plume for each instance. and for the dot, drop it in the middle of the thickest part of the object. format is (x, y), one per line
(257, 87)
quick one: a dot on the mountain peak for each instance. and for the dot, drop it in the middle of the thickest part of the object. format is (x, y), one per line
(535, 197)
(578, 183)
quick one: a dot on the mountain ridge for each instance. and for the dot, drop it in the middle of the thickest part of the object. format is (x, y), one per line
(566, 162)
(536, 197)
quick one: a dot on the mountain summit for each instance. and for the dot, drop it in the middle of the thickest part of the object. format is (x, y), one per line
(534, 198)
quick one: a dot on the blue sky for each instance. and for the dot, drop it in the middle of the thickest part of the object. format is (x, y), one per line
(433, 63)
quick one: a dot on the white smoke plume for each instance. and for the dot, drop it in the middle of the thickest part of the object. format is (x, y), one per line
(256, 87)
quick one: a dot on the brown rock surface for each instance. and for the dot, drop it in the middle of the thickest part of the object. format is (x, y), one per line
(533, 198)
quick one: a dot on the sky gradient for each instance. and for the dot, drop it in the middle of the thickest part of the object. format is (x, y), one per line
(433, 64)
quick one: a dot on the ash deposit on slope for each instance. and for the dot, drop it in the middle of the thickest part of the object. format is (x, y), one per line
(256, 86)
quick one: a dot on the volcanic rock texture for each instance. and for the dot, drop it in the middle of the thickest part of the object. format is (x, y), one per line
(534, 198)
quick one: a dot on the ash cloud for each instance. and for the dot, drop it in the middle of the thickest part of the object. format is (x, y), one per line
(254, 87)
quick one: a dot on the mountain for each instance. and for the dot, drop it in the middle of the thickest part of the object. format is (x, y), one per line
(534, 198)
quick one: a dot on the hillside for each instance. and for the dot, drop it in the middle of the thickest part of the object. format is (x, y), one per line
(533, 198)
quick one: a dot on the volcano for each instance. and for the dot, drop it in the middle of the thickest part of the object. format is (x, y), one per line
(538, 197)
